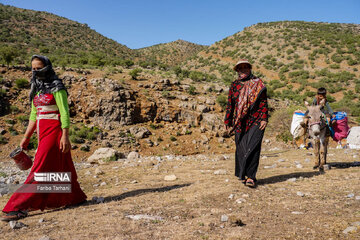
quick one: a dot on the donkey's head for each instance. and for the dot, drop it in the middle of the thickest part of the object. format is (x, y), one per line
(316, 118)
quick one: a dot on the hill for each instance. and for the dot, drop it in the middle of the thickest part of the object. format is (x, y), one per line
(170, 54)
(66, 42)
(294, 58)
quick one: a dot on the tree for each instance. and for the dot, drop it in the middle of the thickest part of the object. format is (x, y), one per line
(8, 54)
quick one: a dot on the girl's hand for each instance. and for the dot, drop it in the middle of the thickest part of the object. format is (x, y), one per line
(65, 144)
(24, 142)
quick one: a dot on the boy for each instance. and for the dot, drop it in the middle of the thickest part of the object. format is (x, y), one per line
(326, 109)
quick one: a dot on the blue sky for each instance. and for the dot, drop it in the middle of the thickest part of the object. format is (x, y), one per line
(142, 23)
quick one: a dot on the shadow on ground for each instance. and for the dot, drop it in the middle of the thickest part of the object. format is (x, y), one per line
(344, 164)
(285, 177)
(119, 197)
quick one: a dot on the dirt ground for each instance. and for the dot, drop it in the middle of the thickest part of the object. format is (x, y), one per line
(291, 201)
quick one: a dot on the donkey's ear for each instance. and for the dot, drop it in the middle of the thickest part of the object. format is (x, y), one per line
(322, 102)
(306, 104)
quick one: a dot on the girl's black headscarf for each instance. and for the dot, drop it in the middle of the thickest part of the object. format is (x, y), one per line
(44, 80)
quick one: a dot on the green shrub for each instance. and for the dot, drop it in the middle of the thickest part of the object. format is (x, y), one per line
(23, 118)
(172, 138)
(110, 159)
(22, 83)
(33, 144)
(135, 73)
(14, 109)
(76, 140)
(222, 100)
(3, 140)
(192, 90)
(197, 76)
(156, 126)
(335, 66)
(10, 121)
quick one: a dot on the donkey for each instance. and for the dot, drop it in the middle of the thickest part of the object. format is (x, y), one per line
(318, 134)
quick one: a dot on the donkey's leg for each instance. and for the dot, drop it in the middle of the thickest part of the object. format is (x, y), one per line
(326, 144)
(316, 144)
(322, 156)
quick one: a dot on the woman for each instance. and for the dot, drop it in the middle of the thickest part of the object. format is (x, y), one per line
(50, 116)
(247, 116)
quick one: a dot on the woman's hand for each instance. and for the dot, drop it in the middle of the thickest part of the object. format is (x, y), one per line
(65, 144)
(24, 142)
(263, 125)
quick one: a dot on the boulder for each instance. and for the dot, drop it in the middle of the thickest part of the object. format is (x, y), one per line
(133, 156)
(103, 155)
(353, 139)
(140, 132)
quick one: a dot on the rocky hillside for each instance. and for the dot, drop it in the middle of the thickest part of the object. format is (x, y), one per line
(66, 42)
(153, 113)
(170, 54)
(294, 58)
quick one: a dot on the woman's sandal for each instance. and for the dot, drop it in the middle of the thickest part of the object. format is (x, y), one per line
(243, 181)
(14, 215)
(250, 183)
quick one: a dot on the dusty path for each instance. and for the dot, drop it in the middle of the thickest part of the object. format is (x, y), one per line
(291, 202)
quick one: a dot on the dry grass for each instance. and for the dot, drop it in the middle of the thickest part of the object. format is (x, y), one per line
(192, 205)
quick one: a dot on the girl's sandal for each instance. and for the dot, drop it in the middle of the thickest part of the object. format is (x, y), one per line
(14, 215)
(250, 183)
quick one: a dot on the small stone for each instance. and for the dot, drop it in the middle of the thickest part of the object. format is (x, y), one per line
(296, 213)
(17, 225)
(281, 160)
(327, 167)
(98, 171)
(231, 196)
(351, 195)
(300, 194)
(267, 140)
(272, 166)
(88, 173)
(224, 218)
(226, 180)
(220, 172)
(264, 157)
(103, 184)
(357, 198)
(221, 140)
(291, 180)
(41, 220)
(350, 229)
(299, 166)
(357, 224)
(307, 160)
(240, 200)
(170, 177)
(134, 181)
